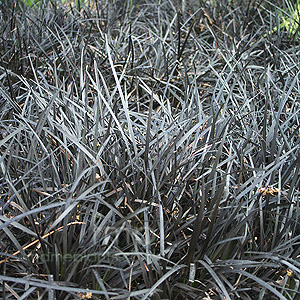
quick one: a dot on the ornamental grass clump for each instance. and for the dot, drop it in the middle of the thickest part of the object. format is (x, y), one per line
(149, 150)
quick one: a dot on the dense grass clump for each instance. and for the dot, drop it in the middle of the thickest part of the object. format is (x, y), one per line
(149, 150)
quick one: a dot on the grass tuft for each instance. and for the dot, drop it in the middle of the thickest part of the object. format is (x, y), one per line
(149, 150)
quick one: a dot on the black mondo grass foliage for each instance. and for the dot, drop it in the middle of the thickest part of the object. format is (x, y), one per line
(149, 150)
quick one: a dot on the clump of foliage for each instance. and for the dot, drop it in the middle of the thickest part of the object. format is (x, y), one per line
(289, 17)
(291, 21)
(149, 150)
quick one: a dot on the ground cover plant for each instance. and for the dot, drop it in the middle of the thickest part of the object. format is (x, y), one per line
(149, 150)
